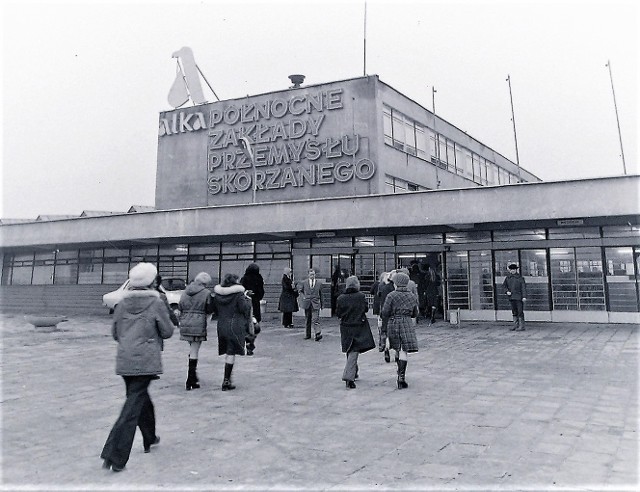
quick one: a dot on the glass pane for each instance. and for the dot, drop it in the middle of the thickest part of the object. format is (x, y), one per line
(144, 253)
(66, 274)
(173, 250)
(238, 247)
(364, 269)
(458, 280)
(326, 242)
(480, 281)
(590, 279)
(115, 273)
(564, 285)
(204, 249)
(385, 262)
(398, 132)
(621, 231)
(419, 239)
(519, 235)
(468, 237)
(90, 273)
(374, 241)
(410, 137)
(69, 254)
(42, 275)
(21, 275)
(273, 247)
(212, 267)
(534, 270)
(621, 280)
(322, 265)
(272, 270)
(574, 233)
(116, 252)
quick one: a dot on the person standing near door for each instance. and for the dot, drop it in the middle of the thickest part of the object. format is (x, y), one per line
(311, 302)
(516, 289)
(288, 303)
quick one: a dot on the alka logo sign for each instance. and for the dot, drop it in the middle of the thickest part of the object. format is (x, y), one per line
(275, 143)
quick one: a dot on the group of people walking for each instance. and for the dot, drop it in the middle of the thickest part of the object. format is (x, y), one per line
(143, 319)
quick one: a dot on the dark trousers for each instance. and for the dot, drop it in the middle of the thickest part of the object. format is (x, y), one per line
(137, 412)
(517, 308)
(287, 319)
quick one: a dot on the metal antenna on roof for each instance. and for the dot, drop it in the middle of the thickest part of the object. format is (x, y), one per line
(365, 40)
(513, 118)
(624, 165)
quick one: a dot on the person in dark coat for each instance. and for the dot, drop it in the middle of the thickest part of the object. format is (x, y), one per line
(233, 310)
(355, 332)
(195, 304)
(516, 289)
(253, 282)
(383, 292)
(431, 292)
(288, 302)
(140, 322)
(399, 307)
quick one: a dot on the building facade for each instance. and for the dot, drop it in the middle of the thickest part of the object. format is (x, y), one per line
(349, 177)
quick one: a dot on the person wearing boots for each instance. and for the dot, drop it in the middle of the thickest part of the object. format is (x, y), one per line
(516, 289)
(141, 320)
(311, 302)
(233, 310)
(288, 302)
(195, 304)
(355, 332)
(253, 282)
(399, 307)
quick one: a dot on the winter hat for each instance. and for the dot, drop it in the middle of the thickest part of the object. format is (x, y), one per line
(401, 279)
(142, 275)
(352, 283)
(203, 278)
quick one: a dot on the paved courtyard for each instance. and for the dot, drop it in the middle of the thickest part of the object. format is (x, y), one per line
(554, 407)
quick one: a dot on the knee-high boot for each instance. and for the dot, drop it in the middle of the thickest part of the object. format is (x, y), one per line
(192, 377)
(402, 368)
(515, 324)
(226, 383)
(520, 323)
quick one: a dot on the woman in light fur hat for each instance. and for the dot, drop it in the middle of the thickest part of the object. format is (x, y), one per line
(140, 322)
(195, 305)
(233, 309)
(399, 307)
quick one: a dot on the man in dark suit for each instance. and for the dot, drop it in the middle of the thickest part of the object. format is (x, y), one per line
(311, 302)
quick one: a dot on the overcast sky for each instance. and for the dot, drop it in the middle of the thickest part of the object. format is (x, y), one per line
(84, 82)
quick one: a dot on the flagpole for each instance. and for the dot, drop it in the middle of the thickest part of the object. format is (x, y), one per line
(624, 165)
(365, 40)
(515, 135)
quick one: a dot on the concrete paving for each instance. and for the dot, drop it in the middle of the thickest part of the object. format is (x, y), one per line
(554, 407)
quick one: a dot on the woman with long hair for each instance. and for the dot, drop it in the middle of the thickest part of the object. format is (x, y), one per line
(233, 309)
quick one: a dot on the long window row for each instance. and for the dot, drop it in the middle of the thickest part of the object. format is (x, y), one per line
(410, 136)
(471, 264)
(111, 265)
(559, 279)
